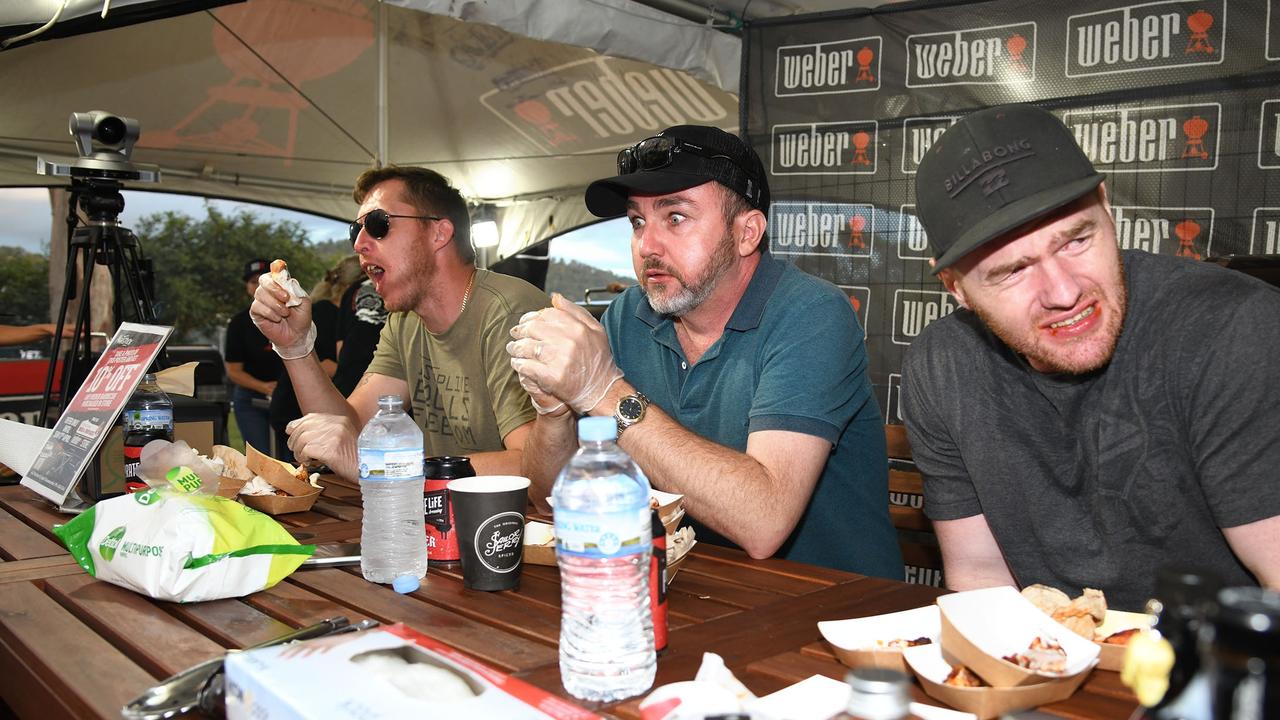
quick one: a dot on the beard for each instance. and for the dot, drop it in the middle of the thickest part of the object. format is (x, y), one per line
(690, 295)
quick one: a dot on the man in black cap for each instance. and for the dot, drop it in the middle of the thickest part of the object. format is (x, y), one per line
(1089, 414)
(745, 384)
(252, 366)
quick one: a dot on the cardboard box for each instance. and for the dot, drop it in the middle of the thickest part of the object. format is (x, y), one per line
(1111, 656)
(325, 678)
(980, 627)
(928, 664)
(862, 642)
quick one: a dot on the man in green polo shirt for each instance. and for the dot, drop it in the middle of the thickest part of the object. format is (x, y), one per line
(736, 379)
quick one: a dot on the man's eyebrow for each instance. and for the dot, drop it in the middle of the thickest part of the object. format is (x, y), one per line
(1083, 227)
(1000, 271)
(675, 200)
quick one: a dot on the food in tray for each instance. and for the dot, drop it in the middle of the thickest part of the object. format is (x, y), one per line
(900, 643)
(961, 676)
(1081, 615)
(1119, 638)
(1043, 655)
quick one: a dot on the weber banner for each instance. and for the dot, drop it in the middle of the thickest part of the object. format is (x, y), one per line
(1178, 102)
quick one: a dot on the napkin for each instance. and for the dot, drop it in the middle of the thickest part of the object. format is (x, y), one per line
(20, 444)
(179, 379)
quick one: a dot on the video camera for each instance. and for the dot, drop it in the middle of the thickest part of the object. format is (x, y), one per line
(105, 142)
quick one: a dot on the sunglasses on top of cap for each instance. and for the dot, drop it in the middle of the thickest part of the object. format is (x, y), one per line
(659, 152)
(378, 223)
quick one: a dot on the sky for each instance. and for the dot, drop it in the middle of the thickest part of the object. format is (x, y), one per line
(26, 218)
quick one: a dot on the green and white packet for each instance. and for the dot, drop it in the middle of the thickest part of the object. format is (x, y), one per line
(182, 547)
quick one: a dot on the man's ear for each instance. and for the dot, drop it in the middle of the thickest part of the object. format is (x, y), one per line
(442, 230)
(751, 227)
(1106, 200)
(951, 281)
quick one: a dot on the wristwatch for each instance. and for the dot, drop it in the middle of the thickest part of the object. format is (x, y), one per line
(630, 410)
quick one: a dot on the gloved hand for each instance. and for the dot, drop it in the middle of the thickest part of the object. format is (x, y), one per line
(290, 330)
(562, 351)
(330, 439)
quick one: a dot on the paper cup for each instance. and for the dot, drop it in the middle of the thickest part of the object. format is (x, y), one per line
(489, 510)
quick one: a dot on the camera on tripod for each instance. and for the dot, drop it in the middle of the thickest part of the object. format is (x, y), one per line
(105, 142)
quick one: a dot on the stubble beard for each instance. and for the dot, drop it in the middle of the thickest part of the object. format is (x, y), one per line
(690, 295)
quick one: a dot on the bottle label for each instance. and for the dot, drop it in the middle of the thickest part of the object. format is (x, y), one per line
(390, 464)
(602, 535)
(149, 419)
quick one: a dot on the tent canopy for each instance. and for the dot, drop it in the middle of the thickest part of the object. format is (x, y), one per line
(284, 102)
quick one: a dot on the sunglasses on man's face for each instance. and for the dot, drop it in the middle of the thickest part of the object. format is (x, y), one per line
(378, 223)
(660, 151)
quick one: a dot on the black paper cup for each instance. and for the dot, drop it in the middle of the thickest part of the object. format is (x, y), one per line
(489, 511)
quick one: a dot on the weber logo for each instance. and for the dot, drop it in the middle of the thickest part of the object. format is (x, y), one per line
(1149, 36)
(1264, 238)
(893, 406)
(996, 55)
(860, 299)
(598, 103)
(1269, 136)
(918, 135)
(913, 310)
(821, 229)
(1180, 231)
(1156, 138)
(843, 66)
(913, 244)
(832, 148)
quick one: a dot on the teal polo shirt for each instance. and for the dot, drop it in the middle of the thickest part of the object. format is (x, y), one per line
(792, 357)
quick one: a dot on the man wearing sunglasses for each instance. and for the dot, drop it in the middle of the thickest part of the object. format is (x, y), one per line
(735, 378)
(441, 348)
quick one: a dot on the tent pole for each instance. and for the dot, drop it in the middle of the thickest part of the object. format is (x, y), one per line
(382, 84)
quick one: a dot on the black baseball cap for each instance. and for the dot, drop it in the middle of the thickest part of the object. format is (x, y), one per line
(679, 158)
(254, 268)
(994, 171)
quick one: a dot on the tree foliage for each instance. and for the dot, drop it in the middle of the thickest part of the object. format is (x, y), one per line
(199, 264)
(24, 287)
(570, 278)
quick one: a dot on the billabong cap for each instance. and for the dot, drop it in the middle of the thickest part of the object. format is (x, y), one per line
(699, 154)
(254, 268)
(994, 171)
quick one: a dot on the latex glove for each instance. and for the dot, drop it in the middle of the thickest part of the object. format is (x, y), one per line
(330, 439)
(563, 352)
(289, 328)
(543, 402)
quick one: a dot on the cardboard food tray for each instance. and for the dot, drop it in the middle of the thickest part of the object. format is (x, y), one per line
(1111, 656)
(300, 495)
(979, 627)
(858, 642)
(540, 547)
(929, 666)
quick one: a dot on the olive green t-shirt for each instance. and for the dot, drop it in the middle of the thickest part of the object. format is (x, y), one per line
(462, 390)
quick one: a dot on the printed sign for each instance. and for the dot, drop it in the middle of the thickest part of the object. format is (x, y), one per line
(893, 407)
(841, 66)
(918, 135)
(1264, 234)
(860, 299)
(1269, 136)
(829, 148)
(1148, 36)
(996, 55)
(821, 229)
(1180, 231)
(913, 310)
(92, 412)
(1152, 138)
(913, 243)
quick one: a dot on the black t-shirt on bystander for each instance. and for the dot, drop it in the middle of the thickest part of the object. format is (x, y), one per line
(246, 344)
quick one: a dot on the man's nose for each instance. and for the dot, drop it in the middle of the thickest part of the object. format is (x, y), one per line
(648, 241)
(1059, 286)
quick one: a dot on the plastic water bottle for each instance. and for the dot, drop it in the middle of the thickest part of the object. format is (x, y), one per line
(603, 543)
(147, 416)
(393, 539)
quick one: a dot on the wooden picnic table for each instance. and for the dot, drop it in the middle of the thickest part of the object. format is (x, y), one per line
(74, 647)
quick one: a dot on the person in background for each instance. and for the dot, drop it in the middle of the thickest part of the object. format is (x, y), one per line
(1088, 415)
(361, 316)
(745, 385)
(252, 368)
(28, 334)
(442, 346)
(325, 297)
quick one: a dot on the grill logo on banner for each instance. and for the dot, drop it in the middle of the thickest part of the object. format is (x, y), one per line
(1269, 136)
(860, 299)
(1181, 231)
(1264, 238)
(822, 229)
(913, 310)
(1155, 138)
(598, 103)
(831, 148)
(996, 55)
(913, 244)
(918, 135)
(843, 66)
(1148, 36)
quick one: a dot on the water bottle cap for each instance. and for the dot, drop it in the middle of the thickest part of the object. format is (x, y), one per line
(405, 584)
(597, 429)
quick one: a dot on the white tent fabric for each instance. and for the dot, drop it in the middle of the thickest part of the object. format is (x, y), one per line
(279, 101)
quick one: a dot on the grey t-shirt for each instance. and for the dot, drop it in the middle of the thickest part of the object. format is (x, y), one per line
(1098, 480)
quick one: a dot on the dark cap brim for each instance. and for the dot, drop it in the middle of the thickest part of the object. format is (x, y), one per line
(1015, 215)
(607, 198)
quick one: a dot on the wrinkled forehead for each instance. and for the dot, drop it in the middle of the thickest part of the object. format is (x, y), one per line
(1089, 213)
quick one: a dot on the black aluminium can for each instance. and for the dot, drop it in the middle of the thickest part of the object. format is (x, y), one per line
(442, 539)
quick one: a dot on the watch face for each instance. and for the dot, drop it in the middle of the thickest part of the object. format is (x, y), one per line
(630, 408)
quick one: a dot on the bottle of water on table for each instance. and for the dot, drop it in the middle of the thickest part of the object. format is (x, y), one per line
(603, 543)
(393, 540)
